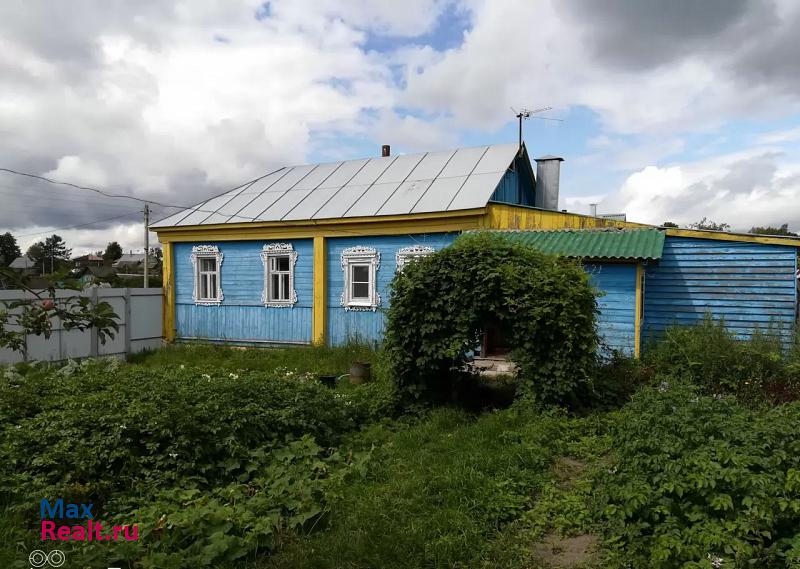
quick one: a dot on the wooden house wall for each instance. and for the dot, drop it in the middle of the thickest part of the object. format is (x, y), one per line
(616, 323)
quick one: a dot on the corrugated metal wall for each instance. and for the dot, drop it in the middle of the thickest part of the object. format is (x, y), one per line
(344, 325)
(749, 284)
(617, 319)
(242, 316)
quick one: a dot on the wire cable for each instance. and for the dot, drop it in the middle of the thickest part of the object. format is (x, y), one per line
(81, 225)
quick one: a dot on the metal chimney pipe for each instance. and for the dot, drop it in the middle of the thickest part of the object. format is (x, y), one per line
(386, 150)
(593, 209)
(548, 171)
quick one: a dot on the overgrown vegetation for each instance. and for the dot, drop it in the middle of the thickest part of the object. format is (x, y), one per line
(544, 304)
(241, 458)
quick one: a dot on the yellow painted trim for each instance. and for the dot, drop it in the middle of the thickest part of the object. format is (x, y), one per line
(318, 328)
(504, 216)
(309, 230)
(738, 237)
(414, 218)
(637, 332)
(168, 300)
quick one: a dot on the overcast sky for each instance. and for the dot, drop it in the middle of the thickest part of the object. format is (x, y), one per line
(671, 110)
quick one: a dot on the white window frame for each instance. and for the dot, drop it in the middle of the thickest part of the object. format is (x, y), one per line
(269, 253)
(406, 254)
(359, 256)
(206, 252)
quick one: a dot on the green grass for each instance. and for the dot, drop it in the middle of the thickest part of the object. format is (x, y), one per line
(317, 360)
(444, 492)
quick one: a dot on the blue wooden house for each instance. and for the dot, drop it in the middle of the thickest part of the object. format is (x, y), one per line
(305, 254)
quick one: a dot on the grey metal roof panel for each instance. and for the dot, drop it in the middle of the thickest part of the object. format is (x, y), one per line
(317, 176)
(271, 194)
(311, 204)
(439, 194)
(344, 173)
(409, 192)
(496, 159)
(372, 200)
(476, 191)
(426, 182)
(431, 165)
(463, 162)
(283, 205)
(400, 169)
(373, 170)
(338, 205)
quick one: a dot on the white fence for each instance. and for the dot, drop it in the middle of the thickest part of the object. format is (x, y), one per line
(139, 312)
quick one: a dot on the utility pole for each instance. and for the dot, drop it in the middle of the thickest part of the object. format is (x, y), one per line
(146, 243)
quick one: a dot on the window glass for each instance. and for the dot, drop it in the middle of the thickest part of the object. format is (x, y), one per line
(208, 265)
(360, 290)
(360, 274)
(283, 263)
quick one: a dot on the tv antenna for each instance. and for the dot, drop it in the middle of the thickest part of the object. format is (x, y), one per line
(524, 113)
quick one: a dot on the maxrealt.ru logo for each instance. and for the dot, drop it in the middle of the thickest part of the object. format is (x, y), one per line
(75, 522)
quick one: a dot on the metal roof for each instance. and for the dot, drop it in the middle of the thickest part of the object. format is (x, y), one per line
(610, 243)
(450, 180)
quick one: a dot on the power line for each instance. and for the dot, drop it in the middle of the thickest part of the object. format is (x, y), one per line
(135, 198)
(81, 225)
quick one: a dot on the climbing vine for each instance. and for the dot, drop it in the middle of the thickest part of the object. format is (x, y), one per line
(441, 303)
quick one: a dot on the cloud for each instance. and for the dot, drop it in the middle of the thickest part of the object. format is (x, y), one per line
(175, 101)
(754, 188)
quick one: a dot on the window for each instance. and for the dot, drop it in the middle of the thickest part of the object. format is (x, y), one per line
(360, 266)
(407, 254)
(279, 260)
(206, 262)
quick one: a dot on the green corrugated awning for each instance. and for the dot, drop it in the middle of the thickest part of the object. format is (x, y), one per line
(612, 243)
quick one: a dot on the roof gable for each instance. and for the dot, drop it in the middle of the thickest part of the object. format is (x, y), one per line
(451, 180)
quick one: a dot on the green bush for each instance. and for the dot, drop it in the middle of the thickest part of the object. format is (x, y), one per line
(442, 302)
(698, 478)
(712, 357)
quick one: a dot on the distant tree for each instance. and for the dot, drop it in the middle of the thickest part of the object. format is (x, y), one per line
(55, 253)
(36, 253)
(669, 224)
(156, 253)
(706, 223)
(769, 230)
(113, 252)
(9, 250)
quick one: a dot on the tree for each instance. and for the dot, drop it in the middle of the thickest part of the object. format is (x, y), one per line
(669, 224)
(710, 225)
(54, 252)
(769, 230)
(9, 250)
(34, 316)
(36, 253)
(113, 252)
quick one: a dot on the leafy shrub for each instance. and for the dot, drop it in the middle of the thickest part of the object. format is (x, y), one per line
(699, 479)
(712, 357)
(442, 302)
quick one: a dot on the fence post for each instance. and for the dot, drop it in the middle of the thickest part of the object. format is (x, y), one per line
(127, 322)
(94, 350)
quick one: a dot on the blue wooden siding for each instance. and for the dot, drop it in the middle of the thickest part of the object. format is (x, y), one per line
(616, 322)
(516, 187)
(750, 285)
(344, 325)
(242, 316)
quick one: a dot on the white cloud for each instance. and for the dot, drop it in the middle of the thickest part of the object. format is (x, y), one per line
(745, 189)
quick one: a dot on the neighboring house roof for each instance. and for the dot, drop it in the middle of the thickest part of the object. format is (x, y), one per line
(23, 262)
(99, 272)
(611, 244)
(88, 258)
(450, 180)
(134, 259)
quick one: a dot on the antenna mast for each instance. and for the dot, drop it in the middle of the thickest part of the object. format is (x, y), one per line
(526, 114)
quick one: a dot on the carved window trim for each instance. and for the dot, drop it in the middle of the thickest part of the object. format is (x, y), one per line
(406, 254)
(360, 256)
(273, 251)
(200, 252)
